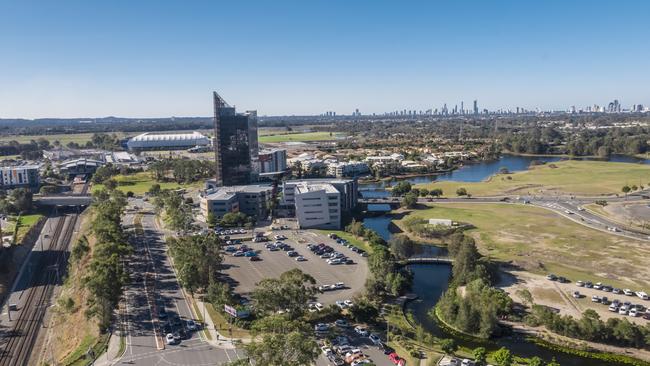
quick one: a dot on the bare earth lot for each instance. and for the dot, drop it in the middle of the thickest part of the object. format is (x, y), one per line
(247, 274)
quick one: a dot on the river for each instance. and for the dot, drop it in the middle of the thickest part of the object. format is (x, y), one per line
(431, 280)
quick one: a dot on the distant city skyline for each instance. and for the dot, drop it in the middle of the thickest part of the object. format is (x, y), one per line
(151, 59)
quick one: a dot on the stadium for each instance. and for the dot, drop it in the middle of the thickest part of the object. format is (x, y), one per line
(167, 141)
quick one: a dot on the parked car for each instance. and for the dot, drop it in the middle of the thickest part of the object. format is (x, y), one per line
(628, 292)
(375, 339)
(341, 323)
(361, 331)
(300, 258)
(576, 294)
(595, 298)
(321, 327)
(348, 303)
(191, 324)
(551, 277)
(255, 259)
(616, 290)
(580, 284)
(169, 339)
(642, 295)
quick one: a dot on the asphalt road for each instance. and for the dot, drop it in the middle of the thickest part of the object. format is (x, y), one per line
(154, 284)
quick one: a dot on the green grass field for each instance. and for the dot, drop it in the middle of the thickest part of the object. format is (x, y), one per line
(26, 222)
(79, 138)
(300, 137)
(140, 183)
(541, 241)
(576, 177)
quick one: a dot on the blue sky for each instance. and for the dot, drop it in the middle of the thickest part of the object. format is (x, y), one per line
(162, 58)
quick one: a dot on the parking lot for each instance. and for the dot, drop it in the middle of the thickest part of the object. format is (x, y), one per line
(373, 352)
(245, 273)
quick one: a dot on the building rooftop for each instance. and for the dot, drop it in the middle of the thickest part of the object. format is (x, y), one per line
(304, 187)
(230, 191)
(149, 136)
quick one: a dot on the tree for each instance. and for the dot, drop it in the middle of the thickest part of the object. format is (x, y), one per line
(22, 199)
(626, 189)
(525, 296)
(553, 363)
(480, 356)
(502, 357)
(410, 200)
(448, 346)
(401, 246)
(536, 361)
(401, 188)
(424, 192)
(461, 191)
(212, 220)
(437, 192)
(154, 190)
(291, 292)
(280, 341)
(110, 184)
(233, 219)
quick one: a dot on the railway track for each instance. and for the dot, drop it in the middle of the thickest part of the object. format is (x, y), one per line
(25, 328)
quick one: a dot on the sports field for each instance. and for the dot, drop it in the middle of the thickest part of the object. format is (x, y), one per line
(140, 183)
(590, 178)
(300, 137)
(540, 241)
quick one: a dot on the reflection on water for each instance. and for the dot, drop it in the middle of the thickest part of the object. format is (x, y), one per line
(431, 280)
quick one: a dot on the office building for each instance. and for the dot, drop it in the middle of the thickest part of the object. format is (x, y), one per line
(272, 161)
(25, 176)
(254, 200)
(319, 202)
(475, 107)
(235, 144)
(167, 141)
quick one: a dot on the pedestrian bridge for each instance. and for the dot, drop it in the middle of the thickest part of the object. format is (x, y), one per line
(416, 260)
(63, 200)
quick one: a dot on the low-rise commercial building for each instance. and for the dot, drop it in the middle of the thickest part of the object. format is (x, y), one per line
(25, 176)
(319, 202)
(254, 200)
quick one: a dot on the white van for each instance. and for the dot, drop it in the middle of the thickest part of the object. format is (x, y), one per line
(642, 295)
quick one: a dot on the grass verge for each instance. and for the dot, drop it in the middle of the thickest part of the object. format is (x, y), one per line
(221, 324)
(354, 240)
(199, 318)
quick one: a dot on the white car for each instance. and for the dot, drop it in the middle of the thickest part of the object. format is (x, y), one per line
(375, 339)
(642, 295)
(340, 304)
(628, 292)
(361, 331)
(300, 258)
(598, 285)
(348, 303)
(633, 313)
(169, 339)
(319, 306)
(326, 350)
(339, 285)
(622, 310)
(360, 362)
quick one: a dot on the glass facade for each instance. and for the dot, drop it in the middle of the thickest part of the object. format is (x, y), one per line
(237, 146)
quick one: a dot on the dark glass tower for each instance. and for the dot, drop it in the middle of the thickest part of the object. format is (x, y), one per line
(235, 144)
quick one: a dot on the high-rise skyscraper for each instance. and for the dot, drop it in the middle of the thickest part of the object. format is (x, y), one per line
(235, 144)
(475, 106)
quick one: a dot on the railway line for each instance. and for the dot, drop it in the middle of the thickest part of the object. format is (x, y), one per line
(25, 328)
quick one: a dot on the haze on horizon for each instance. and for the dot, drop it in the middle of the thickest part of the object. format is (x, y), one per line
(76, 58)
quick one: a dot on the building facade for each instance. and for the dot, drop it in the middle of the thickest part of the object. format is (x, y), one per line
(253, 200)
(273, 161)
(312, 201)
(25, 176)
(235, 144)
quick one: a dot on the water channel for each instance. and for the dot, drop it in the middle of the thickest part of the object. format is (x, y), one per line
(430, 280)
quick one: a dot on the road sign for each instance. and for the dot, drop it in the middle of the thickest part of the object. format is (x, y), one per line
(230, 310)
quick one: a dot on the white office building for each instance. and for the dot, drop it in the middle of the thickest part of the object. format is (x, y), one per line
(319, 203)
(272, 161)
(348, 169)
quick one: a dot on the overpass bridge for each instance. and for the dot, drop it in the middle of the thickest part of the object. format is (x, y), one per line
(63, 200)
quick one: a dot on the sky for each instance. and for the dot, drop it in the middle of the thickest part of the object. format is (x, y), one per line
(162, 58)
